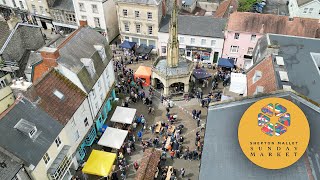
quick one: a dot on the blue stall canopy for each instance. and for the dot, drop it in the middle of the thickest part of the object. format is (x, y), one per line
(127, 44)
(224, 62)
(201, 74)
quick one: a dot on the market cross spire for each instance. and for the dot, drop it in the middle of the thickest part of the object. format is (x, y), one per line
(173, 43)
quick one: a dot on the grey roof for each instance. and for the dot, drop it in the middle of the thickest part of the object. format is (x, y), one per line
(11, 169)
(81, 45)
(303, 73)
(34, 57)
(188, 2)
(66, 5)
(29, 150)
(302, 2)
(148, 2)
(204, 26)
(4, 32)
(222, 156)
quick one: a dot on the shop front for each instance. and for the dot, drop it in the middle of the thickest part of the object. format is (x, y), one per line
(199, 54)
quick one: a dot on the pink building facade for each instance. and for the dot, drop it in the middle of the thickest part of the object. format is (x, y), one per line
(239, 46)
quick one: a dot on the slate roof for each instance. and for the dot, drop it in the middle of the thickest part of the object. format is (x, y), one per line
(60, 109)
(223, 8)
(222, 156)
(270, 23)
(4, 32)
(148, 2)
(11, 169)
(302, 71)
(303, 2)
(81, 45)
(204, 26)
(20, 145)
(66, 5)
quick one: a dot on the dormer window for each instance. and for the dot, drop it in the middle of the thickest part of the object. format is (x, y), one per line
(101, 51)
(88, 63)
(26, 128)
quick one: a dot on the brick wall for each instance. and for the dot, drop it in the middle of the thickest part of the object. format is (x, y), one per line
(268, 79)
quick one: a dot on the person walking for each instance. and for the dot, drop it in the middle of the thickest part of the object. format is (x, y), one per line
(182, 172)
(194, 113)
(198, 122)
(136, 165)
(172, 153)
(139, 134)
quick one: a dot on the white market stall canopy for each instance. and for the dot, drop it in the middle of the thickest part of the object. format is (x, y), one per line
(238, 83)
(123, 115)
(113, 138)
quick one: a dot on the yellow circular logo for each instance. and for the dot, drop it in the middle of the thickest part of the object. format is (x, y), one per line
(273, 133)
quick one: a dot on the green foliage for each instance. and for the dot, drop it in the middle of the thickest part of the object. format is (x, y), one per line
(245, 5)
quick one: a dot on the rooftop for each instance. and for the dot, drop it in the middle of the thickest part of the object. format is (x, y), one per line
(204, 26)
(9, 168)
(148, 2)
(223, 8)
(221, 146)
(66, 5)
(22, 146)
(269, 23)
(303, 2)
(182, 69)
(4, 32)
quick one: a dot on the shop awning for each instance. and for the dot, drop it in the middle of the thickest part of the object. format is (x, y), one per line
(127, 44)
(113, 138)
(224, 62)
(99, 163)
(238, 83)
(201, 74)
(123, 115)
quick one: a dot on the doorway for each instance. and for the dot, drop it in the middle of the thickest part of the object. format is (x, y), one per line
(44, 25)
(215, 57)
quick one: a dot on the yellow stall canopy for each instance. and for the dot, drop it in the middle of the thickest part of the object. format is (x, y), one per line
(99, 163)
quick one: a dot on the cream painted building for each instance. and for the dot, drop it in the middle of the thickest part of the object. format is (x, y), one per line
(6, 94)
(139, 20)
(39, 10)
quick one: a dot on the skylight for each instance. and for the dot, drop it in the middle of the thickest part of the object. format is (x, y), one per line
(58, 94)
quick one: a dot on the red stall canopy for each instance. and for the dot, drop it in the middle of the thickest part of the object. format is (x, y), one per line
(144, 73)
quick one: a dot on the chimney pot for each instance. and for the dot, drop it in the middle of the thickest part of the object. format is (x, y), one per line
(83, 23)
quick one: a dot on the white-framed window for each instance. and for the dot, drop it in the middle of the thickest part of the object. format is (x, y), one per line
(3, 84)
(21, 4)
(84, 17)
(203, 42)
(94, 8)
(81, 7)
(150, 30)
(138, 28)
(234, 49)
(250, 50)
(136, 14)
(34, 9)
(257, 75)
(46, 158)
(163, 49)
(236, 35)
(86, 123)
(305, 10)
(192, 40)
(213, 42)
(71, 18)
(126, 27)
(181, 40)
(42, 10)
(149, 15)
(58, 141)
(14, 3)
(125, 12)
(310, 10)
(253, 37)
(259, 89)
(96, 21)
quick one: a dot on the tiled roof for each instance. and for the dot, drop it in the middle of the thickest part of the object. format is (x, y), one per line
(269, 23)
(60, 109)
(222, 11)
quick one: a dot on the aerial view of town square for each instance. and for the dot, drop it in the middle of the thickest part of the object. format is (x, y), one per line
(159, 89)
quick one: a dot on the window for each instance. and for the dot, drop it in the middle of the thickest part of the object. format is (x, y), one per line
(126, 27)
(310, 10)
(234, 49)
(31, 133)
(76, 135)
(34, 9)
(149, 15)
(21, 4)
(181, 39)
(42, 10)
(61, 169)
(259, 89)
(99, 84)
(203, 42)
(84, 17)
(213, 42)
(14, 3)
(163, 49)
(86, 123)
(192, 40)
(93, 92)
(125, 12)
(46, 158)
(250, 50)
(73, 123)
(138, 28)
(96, 105)
(96, 22)
(58, 94)
(236, 35)
(150, 29)
(253, 37)
(94, 8)
(257, 75)
(3, 84)
(305, 10)
(81, 7)
(126, 38)
(152, 43)
(101, 97)
(137, 14)
(57, 16)
(71, 18)
(58, 141)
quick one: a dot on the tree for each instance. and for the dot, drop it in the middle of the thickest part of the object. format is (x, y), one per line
(245, 5)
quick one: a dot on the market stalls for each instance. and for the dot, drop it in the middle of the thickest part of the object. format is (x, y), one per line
(226, 63)
(123, 115)
(144, 73)
(127, 44)
(99, 163)
(113, 138)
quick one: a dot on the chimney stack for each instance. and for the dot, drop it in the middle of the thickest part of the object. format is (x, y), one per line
(50, 56)
(83, 23)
